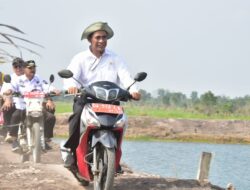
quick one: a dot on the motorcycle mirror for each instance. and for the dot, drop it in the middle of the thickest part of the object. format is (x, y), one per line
(7, 78)
(51, 78)
(140, 76)
(65, 73)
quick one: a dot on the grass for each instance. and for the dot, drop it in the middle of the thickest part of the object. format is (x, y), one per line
(63, 107)
(191, 138)
(160, 112)
(154, 112)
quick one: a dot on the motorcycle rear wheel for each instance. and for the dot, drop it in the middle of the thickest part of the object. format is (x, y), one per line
(105, 160)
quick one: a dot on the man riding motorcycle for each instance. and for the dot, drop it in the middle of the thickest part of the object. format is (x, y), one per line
(27, 83)
(9, 107)
(95, 64)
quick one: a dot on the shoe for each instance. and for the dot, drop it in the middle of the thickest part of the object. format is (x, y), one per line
(9, 138)
(119, 170)
(16, 147)
(83, 181)
(47, 139)
(47, 146)
(67, 156)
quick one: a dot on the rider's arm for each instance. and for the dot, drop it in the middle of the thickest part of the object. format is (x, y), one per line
(126, 79)
(6, 93)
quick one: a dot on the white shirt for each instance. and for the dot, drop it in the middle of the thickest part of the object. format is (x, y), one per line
(23, 84)
(87, 69)
(7, 86)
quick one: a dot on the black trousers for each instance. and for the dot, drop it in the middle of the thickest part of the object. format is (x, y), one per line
(74, 124)
(8, 114)
(19, 115)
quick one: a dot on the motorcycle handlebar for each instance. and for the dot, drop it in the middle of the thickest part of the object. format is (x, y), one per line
(126, 97)
(47, 95)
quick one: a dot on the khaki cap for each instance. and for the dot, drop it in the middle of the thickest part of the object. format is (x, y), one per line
(30, 63)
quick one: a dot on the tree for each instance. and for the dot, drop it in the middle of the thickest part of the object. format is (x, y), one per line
(194, 97)
(9, 39)
(208, 99)
(178, 99)
(145, 96)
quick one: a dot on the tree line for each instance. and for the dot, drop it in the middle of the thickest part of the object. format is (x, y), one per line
(206, 103)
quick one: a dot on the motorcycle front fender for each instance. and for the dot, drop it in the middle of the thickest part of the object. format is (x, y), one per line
(105, 137)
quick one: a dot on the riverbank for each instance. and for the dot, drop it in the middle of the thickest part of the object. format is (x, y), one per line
(186, 130)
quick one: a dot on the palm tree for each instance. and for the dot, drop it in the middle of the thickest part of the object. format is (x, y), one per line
(10, 40)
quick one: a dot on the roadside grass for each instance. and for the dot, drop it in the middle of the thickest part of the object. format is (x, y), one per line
(160, 112)
(63, 107)
(191, 139)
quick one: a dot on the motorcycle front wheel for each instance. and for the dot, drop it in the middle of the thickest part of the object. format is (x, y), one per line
(36, 142)
(104, 162)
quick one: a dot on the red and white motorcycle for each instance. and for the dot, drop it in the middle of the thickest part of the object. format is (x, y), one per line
(102, 126)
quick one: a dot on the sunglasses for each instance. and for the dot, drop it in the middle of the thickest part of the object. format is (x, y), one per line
(18, 66)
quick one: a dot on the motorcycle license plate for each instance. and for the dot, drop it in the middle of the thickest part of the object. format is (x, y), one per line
(107, 108)
(35, 94)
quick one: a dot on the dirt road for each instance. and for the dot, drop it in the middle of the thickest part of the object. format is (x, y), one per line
(51, 175)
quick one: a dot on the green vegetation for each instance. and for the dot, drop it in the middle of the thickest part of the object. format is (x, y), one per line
(190, 138)
(63, 107)
(162, 112)
(177, 105)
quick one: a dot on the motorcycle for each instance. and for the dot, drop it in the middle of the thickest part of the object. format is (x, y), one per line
(102, 125)
(31, 129)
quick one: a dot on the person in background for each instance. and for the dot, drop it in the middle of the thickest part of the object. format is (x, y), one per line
(1, 103)
(8, 106)
(27, 83)
(1, 79)
(94, 64)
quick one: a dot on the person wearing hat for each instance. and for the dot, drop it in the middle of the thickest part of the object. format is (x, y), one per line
(97, 63)
(8, 107)
(28, 82)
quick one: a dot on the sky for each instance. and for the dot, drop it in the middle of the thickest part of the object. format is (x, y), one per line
(183, 45)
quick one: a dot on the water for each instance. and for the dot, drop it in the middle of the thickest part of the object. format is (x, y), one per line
(230, 163)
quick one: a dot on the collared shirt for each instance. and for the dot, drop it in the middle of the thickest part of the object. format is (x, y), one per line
(87, 69)
(23, 84)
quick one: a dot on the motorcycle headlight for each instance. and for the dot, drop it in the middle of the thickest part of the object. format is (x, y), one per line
(100, 93)
(105, 94)
(121, 122)
(89, 117)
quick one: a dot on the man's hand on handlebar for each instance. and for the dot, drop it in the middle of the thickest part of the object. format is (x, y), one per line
(136, 95)
(72, 90)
